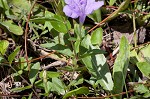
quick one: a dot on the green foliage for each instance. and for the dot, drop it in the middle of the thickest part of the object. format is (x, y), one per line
(58, 47)
(54, 21)
(58, 86)
(111, 2)
(50, 74)
(34, 71)
(96, 64)
(142, 89)
(4, 5)
(11, 27)
(81, 90)
(48, 23)
(120, 66)
(144, 53)
(11, 57)
(3, 46)
(144, 67)
(86, 69)
(96, 16)
(21, 88)
(60, 25)
(96, 37)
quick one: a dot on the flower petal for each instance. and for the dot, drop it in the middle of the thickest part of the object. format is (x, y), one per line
(68, 1)
(90, 1)
(98, 4)
(82, 18)
(76, 1)
(69, 12)
(91, 6)
(81, 8)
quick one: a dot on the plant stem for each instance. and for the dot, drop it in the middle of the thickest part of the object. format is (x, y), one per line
(26, 33)
(73, 47)
(134, 30)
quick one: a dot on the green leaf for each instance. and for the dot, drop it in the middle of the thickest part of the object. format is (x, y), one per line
(96, 16)
(48, 86)
(48, 23)
(144, 67)
(30, 96)
(11, 57)
(146, 95)
(81, 90)
(56, 21)
(120, 66)
(58, 86)
(50, 74)
(144, 53)
(141, 88)
(96, 37)
(22, 65)
(71, 69)
(92, 81)
(76, 82)
(21, 88)
(19, 72)
(23, 98)
(34, 71)
(21, 4)
(39, 84)
(58, 47)
(96, 64)
(11, 27)
(61, 38)
(111, 2)
(92, 52)
(44, 76)
(41, 20)
(134, 57)
(4, 4)
(3, 46)
(79, 31)
(76, 45)
(19, 9)
(72, 39)
(1, 58)
(60, 25)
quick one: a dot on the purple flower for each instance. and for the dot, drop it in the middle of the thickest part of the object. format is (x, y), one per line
(81, 8)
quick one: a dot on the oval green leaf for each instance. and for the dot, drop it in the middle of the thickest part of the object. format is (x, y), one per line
(81, 90)
(11, 27)
(3, 46)
(96, 37)
(12, 56)
(144, 67)
(34, 71)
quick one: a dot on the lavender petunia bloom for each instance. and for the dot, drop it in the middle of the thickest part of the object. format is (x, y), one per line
(81, 8)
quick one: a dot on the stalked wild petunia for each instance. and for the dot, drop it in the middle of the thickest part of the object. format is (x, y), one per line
(81, 8)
